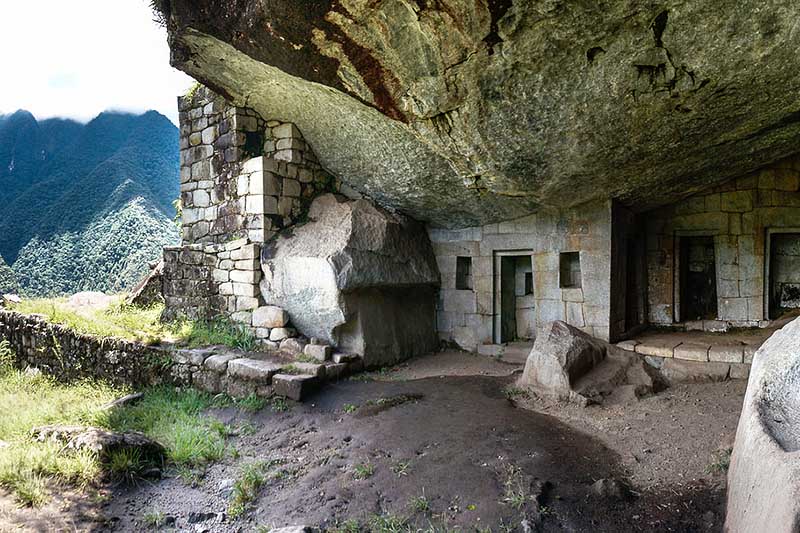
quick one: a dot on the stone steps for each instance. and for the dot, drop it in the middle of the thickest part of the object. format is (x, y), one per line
(218, 369)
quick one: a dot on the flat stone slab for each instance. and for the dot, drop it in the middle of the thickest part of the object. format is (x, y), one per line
(194, 356)
(491, 350)
(320, 352)
(294, 386)
(344, 357)
(219, 363)
(677, 370)
(629, 345)
(726, 353)
(311, 369)
(253, 369)
(658, 348)
(691, 351)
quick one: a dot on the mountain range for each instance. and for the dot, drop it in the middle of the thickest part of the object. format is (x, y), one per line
(84, 206)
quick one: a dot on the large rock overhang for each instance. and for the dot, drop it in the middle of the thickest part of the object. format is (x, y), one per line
(464, 112)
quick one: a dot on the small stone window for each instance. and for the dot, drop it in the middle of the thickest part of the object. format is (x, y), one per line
(528, 283)
(464, 273)
(570, 270)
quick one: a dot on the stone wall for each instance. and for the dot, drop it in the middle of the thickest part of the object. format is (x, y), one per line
(60, 352)
(739, 216)
(243, 178)
(471, 317)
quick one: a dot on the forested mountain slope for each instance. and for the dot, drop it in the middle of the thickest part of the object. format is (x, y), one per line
(85, 207)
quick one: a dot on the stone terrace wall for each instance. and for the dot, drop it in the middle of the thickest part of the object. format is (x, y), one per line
(61, 352)
(468, 316)
(67, 355)
(738, 216)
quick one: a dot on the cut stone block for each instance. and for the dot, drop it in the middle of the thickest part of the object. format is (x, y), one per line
(629, 345)
(292, 346)
(253, 369)
(749, 352)
(691, 351)
(295, 387)
(311, 369)
(207, 381)
(726, 354)
(334, 371)
(677, 371)
(270, 316)
(278, 334)
(320, 352)
(740, 371)
(219, 363)
(344, 357)
(657, 348)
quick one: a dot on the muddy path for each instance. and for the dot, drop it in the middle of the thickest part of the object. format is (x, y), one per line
(361, 450)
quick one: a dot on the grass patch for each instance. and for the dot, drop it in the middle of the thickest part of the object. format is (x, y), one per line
(514, 494)
(154, 519)
(363, 470)
(400, 468)
(721, 462)
(279, 404)
(245, 490)
(349, 408)
(172, 417)
(140, 324)
(420, 503)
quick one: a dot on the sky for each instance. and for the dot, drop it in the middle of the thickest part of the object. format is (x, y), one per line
(78, 58)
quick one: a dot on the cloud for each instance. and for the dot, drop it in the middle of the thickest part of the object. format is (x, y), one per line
(77, 59)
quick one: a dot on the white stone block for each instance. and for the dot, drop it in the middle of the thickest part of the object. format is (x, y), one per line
(246, 303)
(255, 204)
(245, 289)
(243, 185)
(270, 316)
(226, 289)
(201, 198)
(248, 264)
(255, 164)
(220, 275)
(279, 334)
(285, 131)
(209, 135)
(247, 251)
(245, 276)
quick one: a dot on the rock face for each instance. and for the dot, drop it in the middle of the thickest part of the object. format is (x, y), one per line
(567, 364)
(357, 277)
(560, 355)
(764, 475)
(464, 112)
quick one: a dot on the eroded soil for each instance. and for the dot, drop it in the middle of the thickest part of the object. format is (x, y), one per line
(479, 459)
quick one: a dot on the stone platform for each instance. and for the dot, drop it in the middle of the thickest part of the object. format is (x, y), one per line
(721, 355)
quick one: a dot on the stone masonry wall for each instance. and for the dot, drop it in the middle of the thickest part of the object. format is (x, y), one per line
(60, 352)
(468, 317)
(243, 178)
(739, 216)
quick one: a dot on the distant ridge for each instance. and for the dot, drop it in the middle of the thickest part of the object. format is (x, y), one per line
(85, 206)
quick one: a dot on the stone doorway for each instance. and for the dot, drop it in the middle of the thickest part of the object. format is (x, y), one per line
(698, 278)
(784, 272)
(514, 299)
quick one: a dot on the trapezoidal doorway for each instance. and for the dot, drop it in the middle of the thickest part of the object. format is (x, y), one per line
(784, 273)
(514, 303)
(698, 279)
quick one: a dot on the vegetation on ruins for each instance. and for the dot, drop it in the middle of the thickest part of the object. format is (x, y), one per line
(30, 469)
(141, 324)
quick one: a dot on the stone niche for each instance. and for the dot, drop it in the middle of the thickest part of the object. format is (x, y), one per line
(358, 277)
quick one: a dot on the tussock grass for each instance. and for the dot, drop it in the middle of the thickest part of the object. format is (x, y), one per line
(141, 324)
(27, 468)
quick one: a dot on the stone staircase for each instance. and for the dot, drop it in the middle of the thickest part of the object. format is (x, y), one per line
(220, 369)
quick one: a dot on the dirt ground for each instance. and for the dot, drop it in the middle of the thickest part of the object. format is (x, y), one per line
(479, 457)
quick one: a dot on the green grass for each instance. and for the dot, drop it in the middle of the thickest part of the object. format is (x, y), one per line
(420, 503)
(140, 324)
(721, 462)
(349, 408)
(245, 490)
(363, 470)
(172, 417)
